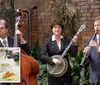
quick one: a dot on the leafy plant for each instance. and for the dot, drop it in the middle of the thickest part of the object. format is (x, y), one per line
(68, 19)
(80, 75)
(35, 50)
(42, 77)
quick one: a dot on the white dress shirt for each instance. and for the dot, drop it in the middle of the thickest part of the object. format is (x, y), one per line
(97, 36)
(58, 42)
(5, 40)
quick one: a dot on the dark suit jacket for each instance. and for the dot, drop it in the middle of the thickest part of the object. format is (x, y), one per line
(25, 46)
(49, 49)
(94, 59)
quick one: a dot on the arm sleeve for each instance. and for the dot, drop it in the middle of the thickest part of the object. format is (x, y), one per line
(73, 50)
(44, 54)
(25, 47)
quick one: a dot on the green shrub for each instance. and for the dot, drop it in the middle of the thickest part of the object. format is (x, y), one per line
(80, 75)
(35, 50)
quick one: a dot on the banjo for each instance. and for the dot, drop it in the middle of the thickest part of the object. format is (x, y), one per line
(60, 69)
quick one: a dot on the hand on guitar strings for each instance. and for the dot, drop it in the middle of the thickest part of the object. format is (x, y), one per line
(20, 36)
(75, 40)
(56, 61)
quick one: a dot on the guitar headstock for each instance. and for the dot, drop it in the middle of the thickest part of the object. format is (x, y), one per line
(82, 27)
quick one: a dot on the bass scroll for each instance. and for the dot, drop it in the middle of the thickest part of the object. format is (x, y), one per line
(59, 70)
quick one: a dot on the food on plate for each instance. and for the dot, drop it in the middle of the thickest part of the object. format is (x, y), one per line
(9, 76)
(4, 64)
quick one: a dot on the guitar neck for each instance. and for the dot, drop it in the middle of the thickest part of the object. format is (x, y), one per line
(66, 49)
(69, 45)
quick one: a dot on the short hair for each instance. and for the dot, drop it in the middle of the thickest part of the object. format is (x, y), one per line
(55, 22)
(4, 21)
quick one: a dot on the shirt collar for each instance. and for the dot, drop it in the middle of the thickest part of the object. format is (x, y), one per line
(98, 36)
(53, 37)
(3, 39)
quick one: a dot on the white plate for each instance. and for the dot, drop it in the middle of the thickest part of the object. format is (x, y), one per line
(4, 67)
(11, 67)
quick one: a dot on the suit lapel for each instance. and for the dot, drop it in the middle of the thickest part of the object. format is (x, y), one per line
(62, 44)
(55, 45)
(95, 39)
(10, 42)
(1, 44)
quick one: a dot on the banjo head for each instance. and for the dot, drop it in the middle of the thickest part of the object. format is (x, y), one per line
(58, 70)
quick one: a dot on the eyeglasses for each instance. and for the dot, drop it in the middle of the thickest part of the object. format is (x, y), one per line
(2, 27)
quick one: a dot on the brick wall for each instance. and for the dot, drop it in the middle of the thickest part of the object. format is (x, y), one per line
(87, 11)
(44, 15)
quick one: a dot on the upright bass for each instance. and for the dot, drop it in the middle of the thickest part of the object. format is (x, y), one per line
(29, 66)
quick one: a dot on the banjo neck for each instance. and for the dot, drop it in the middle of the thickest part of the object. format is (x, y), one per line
(71, 42)
(66, 49)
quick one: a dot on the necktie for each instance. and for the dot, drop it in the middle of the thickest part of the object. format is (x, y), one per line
(4, 43)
